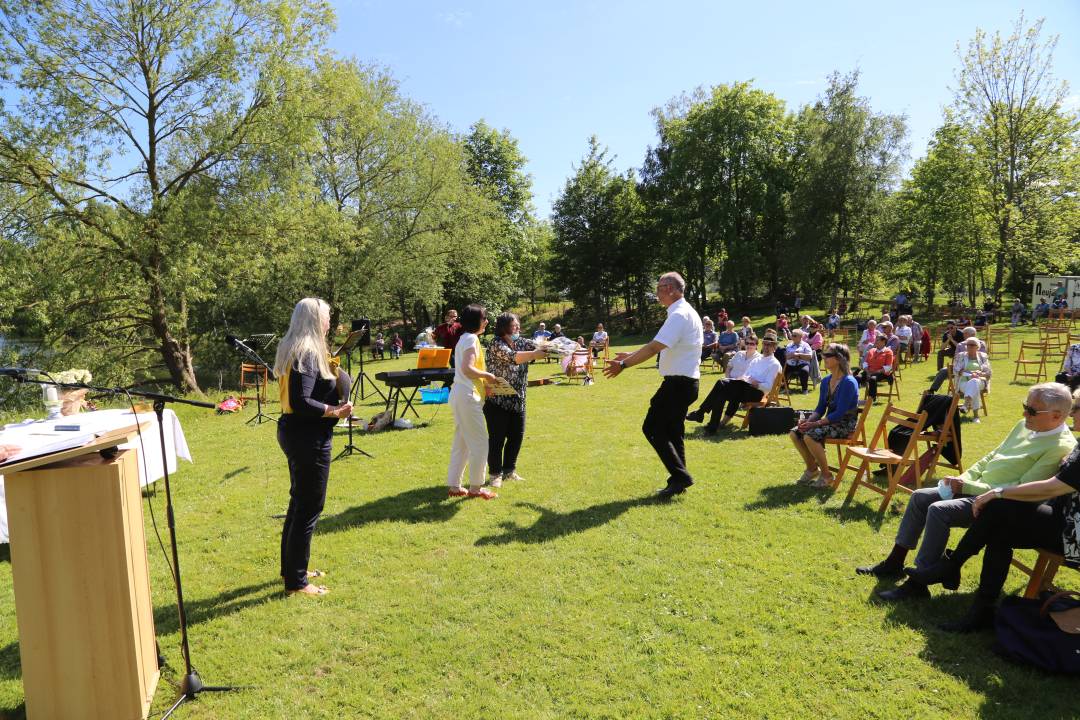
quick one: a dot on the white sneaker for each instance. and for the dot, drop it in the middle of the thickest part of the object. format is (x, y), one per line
(514, 477)
(976, 419)
(494, 481)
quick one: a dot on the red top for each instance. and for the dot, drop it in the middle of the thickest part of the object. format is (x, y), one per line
(876, 360)
(447, 334)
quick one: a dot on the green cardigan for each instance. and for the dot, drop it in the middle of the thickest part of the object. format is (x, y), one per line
(1018, 460)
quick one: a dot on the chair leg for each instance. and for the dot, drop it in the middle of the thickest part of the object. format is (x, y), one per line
(894, 480)
(1038, 570)
(841, 469)
(858, 479)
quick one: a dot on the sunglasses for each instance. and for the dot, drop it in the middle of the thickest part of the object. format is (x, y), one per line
(1028, 410)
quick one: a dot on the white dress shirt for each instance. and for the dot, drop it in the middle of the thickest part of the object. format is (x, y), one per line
(681, 334)
(762, 371)
(740, 363)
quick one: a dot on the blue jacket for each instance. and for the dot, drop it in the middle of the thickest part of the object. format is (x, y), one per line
(844, 401)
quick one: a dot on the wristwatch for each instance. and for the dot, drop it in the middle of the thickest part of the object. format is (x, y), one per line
(999, 492)
(622, 364)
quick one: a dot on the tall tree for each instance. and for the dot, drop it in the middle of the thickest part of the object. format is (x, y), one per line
(124, 108)
(847, 157)
(1007, 94)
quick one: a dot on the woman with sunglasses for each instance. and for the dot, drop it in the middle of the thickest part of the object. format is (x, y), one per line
(835, 416)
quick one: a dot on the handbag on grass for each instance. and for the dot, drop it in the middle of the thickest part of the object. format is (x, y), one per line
(1043, 632)
(771, 420)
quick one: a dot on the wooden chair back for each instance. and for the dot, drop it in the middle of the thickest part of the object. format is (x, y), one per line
(857, 437)
(580, 365)
(936, 440)
(1031, 362)
(878, 452)
(253, 376)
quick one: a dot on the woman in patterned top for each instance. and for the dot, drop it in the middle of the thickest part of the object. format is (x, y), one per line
(508, 357)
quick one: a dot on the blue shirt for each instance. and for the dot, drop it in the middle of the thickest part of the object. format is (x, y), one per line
(844, 400)
(728, 338)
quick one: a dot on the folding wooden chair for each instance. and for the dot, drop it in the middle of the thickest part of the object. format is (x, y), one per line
(253, 376)
(998, 343)
(1032, 355)
(1056, 337)
(936, 440)
(580, 366)
(858, 437)
(891, 388)
(771, 399)
(878, 452)
(982, 394)
(1041, 573)
(603, 358)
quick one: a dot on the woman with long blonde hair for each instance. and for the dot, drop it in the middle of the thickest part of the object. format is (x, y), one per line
(311, 405)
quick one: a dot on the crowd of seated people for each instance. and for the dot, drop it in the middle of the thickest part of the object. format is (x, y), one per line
(708, 339)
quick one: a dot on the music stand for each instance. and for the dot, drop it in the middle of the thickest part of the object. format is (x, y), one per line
(347, 347)
(363, 326)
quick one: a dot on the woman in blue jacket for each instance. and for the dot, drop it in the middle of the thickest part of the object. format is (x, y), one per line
(836, 415)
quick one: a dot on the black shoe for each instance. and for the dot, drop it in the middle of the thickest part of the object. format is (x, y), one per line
(666, 493)
(945, 571)
(710, 430)
(883, 569)
(980, 616)
(696, 416)
(910, 590)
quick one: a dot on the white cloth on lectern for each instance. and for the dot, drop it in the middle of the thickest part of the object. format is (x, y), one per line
(36, 435)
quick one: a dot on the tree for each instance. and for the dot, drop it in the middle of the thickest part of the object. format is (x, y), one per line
(716, 180)
(847, 158)
(1024, 141)
(125, 109)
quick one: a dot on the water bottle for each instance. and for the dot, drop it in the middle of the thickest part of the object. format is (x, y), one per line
(944, 488)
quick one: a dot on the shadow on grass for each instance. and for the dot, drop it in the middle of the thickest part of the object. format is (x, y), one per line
(5, 553)
(778, 496)
(858, 512)
(1009, 690)
(724, 434)
(226, 603)
(233, 473)
(552, 524)
(420, 505)
(10, 663)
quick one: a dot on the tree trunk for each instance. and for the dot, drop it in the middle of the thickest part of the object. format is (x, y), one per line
(177, 355)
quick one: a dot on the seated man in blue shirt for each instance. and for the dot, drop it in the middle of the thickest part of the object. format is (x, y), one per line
(727, 342)
(542, 333)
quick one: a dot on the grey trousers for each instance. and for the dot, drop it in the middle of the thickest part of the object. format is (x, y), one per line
(927, 514)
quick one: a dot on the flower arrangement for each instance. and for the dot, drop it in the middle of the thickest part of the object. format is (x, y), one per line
(72, 377)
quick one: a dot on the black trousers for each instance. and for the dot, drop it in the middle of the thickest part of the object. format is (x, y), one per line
(1001, 526)
(945, 352)
(665, 424)
(306, 445)
(728, 392)
(506, 430)
(1073, 382)
(800, 371)
(871, 380)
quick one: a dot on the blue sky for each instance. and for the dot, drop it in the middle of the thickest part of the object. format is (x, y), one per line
(556, 72)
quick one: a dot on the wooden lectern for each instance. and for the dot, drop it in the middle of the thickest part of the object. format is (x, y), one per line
(82, 591)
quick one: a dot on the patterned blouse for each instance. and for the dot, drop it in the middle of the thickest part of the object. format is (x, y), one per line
(500, 362)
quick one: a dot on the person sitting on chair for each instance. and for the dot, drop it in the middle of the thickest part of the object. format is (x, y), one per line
(1042, 309)
(891, 338)
(542, 333)
(943, 373)
(708, 339)
(745, 331)
(556, 332)
(797, 358)
(866, 341)
(750, 375)
(877, 366)
(396, 345)
(971, 373)
(836, 415)
(378, 348)
(814, 339)
(903, 334)
(949, 340)
(1020, 520)
(599, 340)
(1032, 451)
(727, 342)
(1070, 368)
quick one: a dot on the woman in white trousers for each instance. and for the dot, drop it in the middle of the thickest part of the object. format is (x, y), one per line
(467, 403)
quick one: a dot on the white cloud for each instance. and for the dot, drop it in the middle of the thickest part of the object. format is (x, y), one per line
(457, 18)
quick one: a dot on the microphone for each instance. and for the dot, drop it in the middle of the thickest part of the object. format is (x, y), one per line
(18, 372)
(238, 344)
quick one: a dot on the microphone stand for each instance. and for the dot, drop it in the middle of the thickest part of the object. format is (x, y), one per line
(253, 357)
(346, 350)
(192, 684)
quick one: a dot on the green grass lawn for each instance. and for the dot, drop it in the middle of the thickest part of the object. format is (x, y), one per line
(571, 595)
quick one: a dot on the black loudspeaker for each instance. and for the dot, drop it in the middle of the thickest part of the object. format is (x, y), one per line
(365, 325)
(771, 420)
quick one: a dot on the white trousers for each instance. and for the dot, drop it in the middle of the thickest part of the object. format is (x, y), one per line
(470, 437)
(973, 389)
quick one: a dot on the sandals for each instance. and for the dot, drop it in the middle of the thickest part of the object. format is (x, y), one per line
(482, 493)
(824, 483)
(309, 590)
(458, 491)
(807, 478)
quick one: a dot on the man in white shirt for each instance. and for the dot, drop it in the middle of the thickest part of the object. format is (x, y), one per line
(680, 340)
(750, 375)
